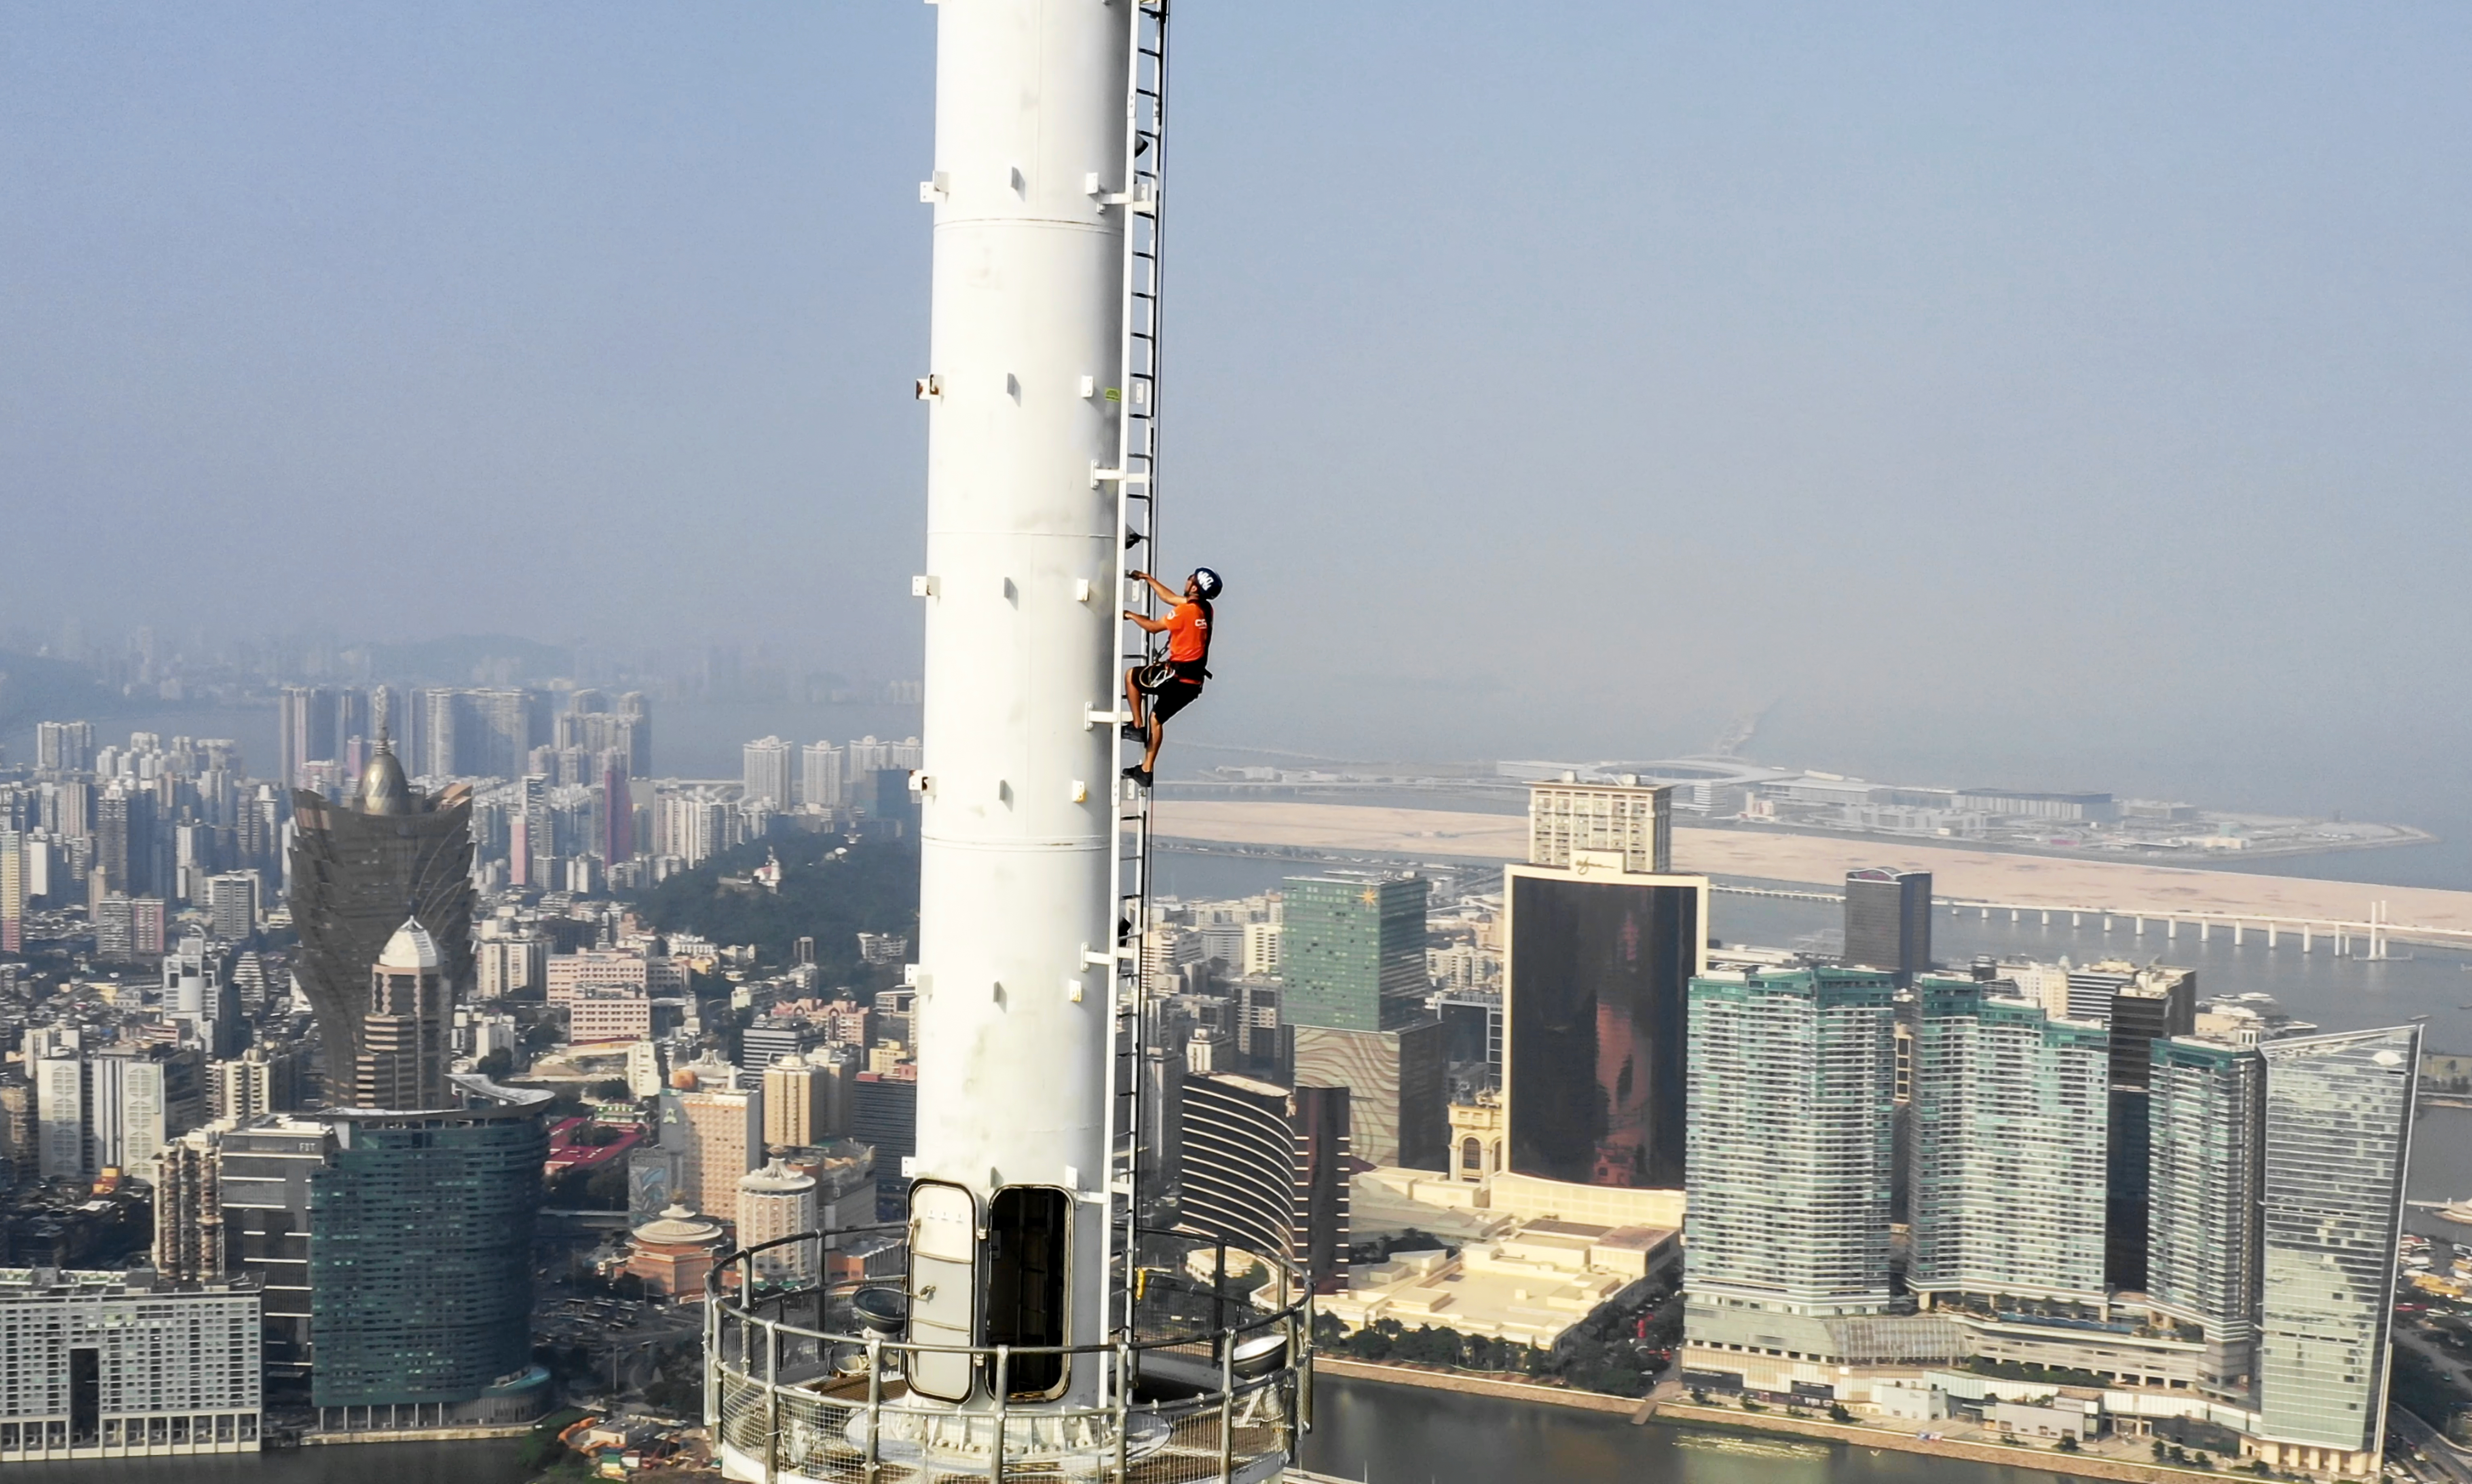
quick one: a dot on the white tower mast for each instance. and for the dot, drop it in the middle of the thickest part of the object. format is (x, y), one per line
(1009, 1210)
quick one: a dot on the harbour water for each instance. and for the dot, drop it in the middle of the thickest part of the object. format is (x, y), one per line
(1385, 1434)
(491, 1462)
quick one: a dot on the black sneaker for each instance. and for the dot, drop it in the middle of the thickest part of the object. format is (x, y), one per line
(1139, 774)
(1132, 733)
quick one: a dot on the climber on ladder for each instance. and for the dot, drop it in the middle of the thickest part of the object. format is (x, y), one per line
(1174, 683)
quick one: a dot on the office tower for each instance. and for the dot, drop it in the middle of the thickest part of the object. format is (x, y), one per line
(820, 776)
(721, 1112)
(1790, 1162)
(1887, 922)
(188, 1211)
(884, 1116)
(765, 772)
(776, 1202)
(2207, 1120)
(1632, 820)
(420, 1236)
(63, 746)
(13, 891)
(358, 869)
(1352, 951)
(2338, 1113)
(1398, 1086)
(106, 1365)
(231, 905)
(1595, 982)
(2158, 1004)
(401, 1060)
(774, 1037)
(1266, 1169)
(263, 1170)
(2010, 1138)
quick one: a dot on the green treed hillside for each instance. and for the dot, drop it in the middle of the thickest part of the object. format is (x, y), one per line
(872, 886)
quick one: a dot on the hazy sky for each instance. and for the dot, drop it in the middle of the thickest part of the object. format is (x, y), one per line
(2073, 392)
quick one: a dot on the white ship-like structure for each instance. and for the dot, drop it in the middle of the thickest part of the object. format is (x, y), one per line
(1033, 1325)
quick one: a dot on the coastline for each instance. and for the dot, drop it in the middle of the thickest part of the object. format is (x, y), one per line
(2030, 881)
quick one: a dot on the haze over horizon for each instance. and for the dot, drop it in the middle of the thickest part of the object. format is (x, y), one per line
(2071, 397)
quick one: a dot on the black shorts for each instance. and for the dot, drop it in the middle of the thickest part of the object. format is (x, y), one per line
(1175, 692)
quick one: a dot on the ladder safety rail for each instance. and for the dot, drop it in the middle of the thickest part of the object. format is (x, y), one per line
(1134, 401)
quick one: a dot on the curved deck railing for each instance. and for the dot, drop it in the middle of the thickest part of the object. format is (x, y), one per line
(1207, 1378)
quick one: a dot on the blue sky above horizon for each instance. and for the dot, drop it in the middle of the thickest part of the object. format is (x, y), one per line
(2083, 386)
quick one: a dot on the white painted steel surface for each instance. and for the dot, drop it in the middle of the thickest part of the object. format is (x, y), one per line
(1021, 612)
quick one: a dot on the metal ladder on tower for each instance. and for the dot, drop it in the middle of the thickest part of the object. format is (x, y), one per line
(1136, 399)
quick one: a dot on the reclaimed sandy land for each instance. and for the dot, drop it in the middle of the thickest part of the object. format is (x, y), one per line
(2030, 880)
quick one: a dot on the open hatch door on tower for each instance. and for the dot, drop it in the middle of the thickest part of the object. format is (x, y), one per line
(943, 1287)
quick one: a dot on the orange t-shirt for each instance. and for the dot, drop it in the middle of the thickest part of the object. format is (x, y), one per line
(1188, 632)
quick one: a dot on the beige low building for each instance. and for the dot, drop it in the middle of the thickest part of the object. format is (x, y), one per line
(1529, 1286)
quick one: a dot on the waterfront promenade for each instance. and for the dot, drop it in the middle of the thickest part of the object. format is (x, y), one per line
(2301, 913)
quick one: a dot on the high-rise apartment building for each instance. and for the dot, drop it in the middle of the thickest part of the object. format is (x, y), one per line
(13, 891)
(1793, 1082)
(820, 777)
(358, 869)
(2207, 1123)
(420, 1237)
(1352, 949)
(189, 1244)
(231, 905)
(1596, 986)
(63, 746)
(765, 774)
(1632, 820)
(2158, 1004)
(305, 731)
(2338, 1112)
(112, 1365)
(1887, 922)
(2011, 1134)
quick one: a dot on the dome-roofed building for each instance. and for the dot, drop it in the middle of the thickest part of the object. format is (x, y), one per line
(674, 1252)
